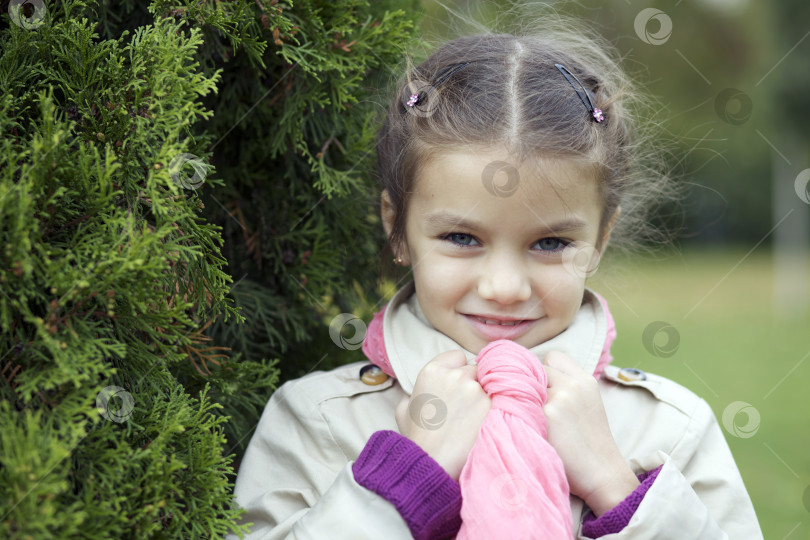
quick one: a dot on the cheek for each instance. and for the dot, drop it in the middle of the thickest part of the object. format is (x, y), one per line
(440, 279)
(561, 290)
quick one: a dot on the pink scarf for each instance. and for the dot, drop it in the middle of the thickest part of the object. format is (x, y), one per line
(513, 484)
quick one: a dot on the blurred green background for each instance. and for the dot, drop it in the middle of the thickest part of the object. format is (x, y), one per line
(732, 296)
(730, 345)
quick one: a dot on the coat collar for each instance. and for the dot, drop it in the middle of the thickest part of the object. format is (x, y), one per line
(411, 341)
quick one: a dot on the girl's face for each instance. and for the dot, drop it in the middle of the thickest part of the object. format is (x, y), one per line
(499, 252)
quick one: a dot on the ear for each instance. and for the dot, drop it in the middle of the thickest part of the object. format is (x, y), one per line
(388, 215)
(609, 229)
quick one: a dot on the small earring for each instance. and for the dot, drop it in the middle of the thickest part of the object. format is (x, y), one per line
(398, 260)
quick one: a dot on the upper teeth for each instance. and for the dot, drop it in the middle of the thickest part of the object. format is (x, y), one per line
(502, 323)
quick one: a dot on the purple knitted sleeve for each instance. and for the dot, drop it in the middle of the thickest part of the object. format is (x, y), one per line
(617, 518)
(397, 469)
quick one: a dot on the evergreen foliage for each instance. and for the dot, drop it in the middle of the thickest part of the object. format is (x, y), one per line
(185, 203)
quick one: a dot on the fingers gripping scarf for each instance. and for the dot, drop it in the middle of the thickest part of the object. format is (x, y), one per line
(513, 484)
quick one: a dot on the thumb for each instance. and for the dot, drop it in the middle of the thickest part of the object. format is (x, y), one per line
(454, 360)
(450, 359)
(560, 361)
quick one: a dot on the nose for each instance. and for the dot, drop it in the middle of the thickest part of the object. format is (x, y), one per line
(504, 280)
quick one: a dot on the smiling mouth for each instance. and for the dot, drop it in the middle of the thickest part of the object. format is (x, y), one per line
(495, 322)
(499, 322)
(492, 328)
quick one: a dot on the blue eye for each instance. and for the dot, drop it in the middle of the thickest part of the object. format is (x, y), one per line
(551, 244)
(461, 239)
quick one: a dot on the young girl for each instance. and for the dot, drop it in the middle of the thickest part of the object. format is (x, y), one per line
(507, 164)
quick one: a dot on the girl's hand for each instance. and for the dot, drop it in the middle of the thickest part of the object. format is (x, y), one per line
(445, 411)
(579, 432)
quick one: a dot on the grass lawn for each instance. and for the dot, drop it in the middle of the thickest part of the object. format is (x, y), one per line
(732, 342)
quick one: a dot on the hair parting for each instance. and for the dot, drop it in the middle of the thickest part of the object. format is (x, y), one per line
(525, 91)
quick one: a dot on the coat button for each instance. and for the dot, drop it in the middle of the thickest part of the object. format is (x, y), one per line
(372, 375)
(632, 375)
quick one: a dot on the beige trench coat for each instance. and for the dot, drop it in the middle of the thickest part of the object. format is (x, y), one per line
(296, 482)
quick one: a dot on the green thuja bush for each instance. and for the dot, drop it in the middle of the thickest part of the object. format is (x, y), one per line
(184, 205)
(295, 140)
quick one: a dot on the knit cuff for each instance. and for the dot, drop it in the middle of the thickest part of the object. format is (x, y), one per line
(617, 518)
(398, 470)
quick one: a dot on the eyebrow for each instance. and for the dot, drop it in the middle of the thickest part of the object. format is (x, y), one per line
(448, 220)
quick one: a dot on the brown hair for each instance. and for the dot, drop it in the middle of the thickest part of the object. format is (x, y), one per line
(511, 94)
